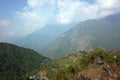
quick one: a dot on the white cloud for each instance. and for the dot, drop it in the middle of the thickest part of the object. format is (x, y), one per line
(108, 4)
(38, 3)
(7, 30)
(4, 23)
(36, 14)
(41, 12)
(77, 11)
(108, 7)
(71, 11)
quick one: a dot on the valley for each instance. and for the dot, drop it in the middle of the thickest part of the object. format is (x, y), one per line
(59, 40)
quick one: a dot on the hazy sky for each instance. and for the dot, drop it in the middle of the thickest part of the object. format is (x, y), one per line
(21, 17)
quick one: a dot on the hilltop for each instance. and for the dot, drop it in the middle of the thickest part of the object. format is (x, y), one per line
(97, 64)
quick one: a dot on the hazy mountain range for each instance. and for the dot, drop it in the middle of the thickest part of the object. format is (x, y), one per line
(57, 41)
(99, 33)
(39, 39)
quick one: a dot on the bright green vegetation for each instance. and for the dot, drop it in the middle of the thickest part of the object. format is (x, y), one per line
(69, 67)
(17, 63)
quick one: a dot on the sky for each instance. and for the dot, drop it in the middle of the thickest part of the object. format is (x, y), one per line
(19, 18)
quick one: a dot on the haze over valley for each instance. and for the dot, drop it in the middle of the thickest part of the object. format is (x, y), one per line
(72, 39)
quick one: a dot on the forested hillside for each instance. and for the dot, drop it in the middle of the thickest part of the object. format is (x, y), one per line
(16, 62)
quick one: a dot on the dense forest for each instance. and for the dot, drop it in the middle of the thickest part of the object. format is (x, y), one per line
(16, 63)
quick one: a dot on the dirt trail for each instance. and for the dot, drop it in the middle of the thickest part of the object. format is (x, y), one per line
(43, 75)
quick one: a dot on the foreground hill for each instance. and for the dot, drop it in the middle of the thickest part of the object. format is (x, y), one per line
(95, 65)
(87, 35)
(16, 62)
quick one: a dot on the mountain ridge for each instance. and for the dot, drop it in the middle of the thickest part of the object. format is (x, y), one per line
(41, 38)
(87, 35)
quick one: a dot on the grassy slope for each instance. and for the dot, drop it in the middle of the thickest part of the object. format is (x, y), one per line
(70, 67)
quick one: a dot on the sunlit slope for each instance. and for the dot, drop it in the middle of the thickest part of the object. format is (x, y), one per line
(99, 33)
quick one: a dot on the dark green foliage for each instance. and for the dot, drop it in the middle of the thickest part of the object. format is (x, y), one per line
(16, 62)
(88, 59)
(110, 59)
(118, 57)
(93, 55)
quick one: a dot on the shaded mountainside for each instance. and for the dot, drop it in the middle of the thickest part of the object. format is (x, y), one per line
(87, 35)
(38, 40)
(16, 62)
(95, 65)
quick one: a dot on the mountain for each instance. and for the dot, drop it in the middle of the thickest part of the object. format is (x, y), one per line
(98, 33)
(41, 38)
(17, 62)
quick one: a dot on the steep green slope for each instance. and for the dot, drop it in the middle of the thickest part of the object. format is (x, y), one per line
(87, 35)
(16, 62)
